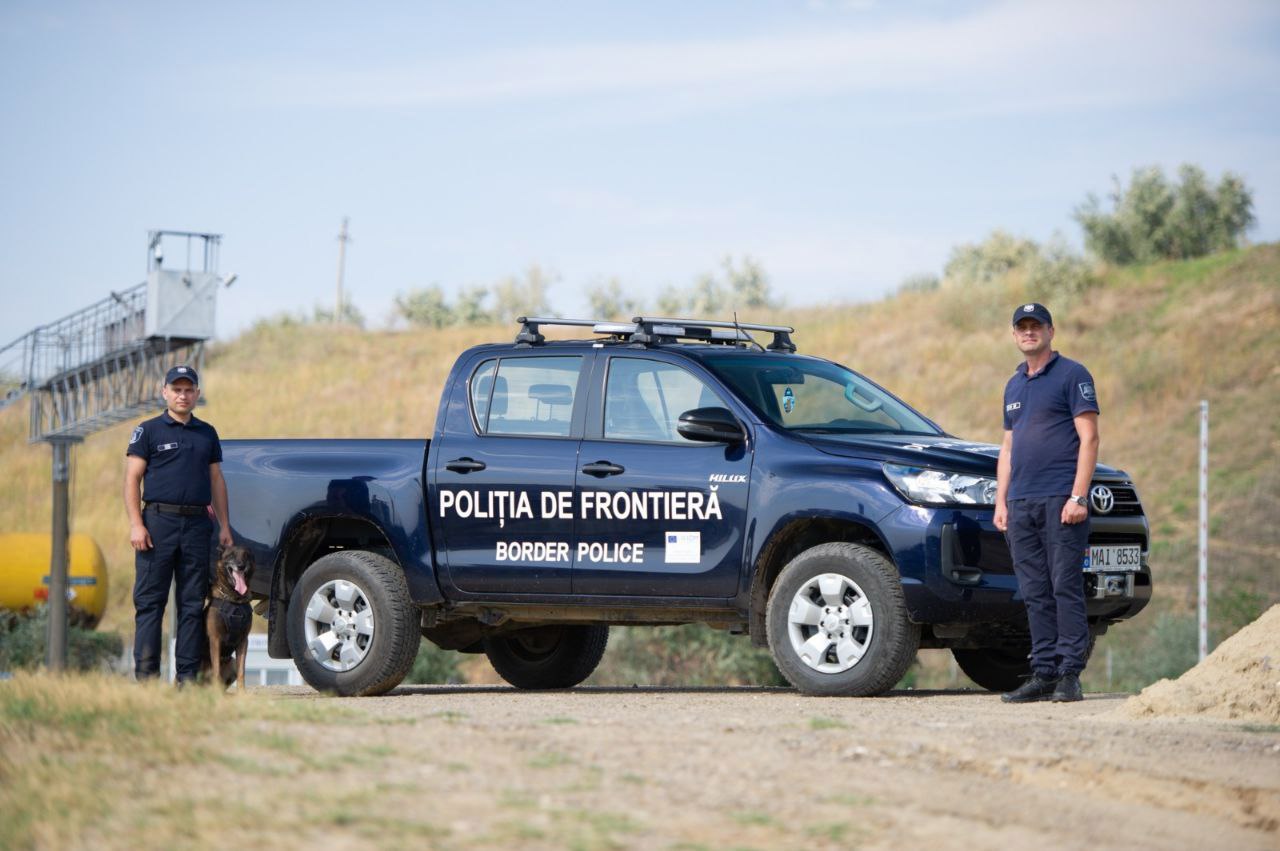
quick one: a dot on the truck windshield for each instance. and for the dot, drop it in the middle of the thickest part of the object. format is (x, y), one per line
(810, 395)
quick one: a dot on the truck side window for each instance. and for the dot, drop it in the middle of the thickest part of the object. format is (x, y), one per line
(526, 396)
(644, 400)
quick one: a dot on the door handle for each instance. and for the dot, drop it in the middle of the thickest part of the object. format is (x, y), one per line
(600, 469)
(464, 465)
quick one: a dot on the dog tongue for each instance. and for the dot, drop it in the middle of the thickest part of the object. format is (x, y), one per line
(241, 588)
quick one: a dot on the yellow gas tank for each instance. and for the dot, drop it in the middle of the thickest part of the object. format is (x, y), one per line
(24, 575)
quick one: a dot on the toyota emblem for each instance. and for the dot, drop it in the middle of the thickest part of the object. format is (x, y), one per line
(1102, 498)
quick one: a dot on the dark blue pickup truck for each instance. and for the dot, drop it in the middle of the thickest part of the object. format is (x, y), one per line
(661, 471)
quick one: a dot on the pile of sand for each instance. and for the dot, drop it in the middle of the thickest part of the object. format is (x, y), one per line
(1239, 681)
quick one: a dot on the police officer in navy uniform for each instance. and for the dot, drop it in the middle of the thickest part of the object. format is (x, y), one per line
(1046, 464)
(174, 461)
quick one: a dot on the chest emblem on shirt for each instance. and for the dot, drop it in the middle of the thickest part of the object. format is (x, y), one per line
(164, 447)
(1013, 406)
(137, 435)
(1087, 392)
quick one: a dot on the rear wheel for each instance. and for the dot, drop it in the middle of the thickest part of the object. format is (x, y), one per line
(352, 628)
(995, 668)
(1000, 668)
(837, 622)
(558, 656)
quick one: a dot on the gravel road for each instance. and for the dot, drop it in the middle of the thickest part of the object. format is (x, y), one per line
(768, 768)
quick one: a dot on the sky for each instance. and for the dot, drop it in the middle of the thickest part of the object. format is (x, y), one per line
(843, 145)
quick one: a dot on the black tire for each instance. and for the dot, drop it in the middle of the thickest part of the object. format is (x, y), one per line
(995, 668)
(541, 657)
(381, 595)
(869, 583)
(1000, 668)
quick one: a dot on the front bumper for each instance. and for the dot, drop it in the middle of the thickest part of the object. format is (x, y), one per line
(956, 568)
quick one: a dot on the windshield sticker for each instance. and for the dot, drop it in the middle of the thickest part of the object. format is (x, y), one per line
(788, 400)
(682, 547)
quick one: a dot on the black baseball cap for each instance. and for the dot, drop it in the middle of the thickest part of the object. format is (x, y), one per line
(1032, 310)
(182, 372)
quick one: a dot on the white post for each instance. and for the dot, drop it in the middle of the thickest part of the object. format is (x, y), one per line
(1204, 528)
(343, 239)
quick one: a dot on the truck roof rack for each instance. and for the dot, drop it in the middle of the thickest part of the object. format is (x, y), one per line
(650, 330)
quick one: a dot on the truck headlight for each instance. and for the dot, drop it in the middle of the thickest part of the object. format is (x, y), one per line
(935, 487)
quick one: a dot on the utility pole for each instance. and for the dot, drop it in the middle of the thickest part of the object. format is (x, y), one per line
(1203, 606)
(343, 239)
(55, 658)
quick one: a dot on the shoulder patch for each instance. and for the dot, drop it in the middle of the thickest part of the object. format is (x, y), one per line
(137, 435)
(1087, 392)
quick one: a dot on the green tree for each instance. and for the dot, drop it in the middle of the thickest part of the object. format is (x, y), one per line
(1153, 218)
(529, 296)
(608, 301)
(425, 307)
(748, 284)
(469, 308)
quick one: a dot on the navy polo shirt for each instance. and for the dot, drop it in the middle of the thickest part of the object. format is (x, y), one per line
(178, 456)
(1041, 412)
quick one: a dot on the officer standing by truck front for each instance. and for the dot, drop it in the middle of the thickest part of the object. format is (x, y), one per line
(174, 460)
(1046, 463)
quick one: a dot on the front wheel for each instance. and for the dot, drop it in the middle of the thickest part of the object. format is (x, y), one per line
(837, 622)
(352, 628)
(558, 656)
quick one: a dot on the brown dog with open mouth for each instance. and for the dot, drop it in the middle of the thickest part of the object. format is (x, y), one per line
(228, 618)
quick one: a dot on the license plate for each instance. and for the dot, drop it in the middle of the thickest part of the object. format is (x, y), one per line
(1113, 558)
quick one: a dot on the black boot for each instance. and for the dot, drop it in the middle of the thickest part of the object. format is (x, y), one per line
(1068, 689)
(1039, 687)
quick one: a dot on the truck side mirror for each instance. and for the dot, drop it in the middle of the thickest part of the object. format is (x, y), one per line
(711, 425)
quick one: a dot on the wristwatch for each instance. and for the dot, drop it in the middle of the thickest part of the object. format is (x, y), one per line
(1079, 500)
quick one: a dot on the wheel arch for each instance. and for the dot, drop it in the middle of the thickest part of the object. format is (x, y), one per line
(307, 541)
(788, 541)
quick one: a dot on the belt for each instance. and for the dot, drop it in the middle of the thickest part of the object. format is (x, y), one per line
(170, 508)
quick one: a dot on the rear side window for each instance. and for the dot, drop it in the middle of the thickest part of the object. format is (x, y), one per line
(525, 396)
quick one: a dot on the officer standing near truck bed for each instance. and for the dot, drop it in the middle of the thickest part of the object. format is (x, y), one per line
(174, 460)
(1046, 464)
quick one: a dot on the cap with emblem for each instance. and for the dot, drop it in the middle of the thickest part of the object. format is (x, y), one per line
(1035, 311)
(180, 372)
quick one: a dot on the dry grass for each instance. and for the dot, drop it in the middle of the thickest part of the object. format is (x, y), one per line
(1158, 339)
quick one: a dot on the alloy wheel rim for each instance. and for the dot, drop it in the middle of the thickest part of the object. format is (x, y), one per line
(339, 625)
(830, 623)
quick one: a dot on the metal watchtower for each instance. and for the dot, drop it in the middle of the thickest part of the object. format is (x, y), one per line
(105, 364)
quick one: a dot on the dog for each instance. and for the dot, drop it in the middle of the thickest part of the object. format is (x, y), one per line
(227, 616)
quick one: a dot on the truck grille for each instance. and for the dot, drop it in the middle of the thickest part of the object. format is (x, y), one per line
(1126, 500)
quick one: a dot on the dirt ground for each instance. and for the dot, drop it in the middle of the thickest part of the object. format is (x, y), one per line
(480, 766)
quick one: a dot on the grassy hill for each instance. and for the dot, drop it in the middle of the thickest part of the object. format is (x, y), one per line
(1157, 338)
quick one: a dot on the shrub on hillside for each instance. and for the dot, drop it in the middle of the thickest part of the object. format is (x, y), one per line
(1155, 219)
(23, 640)
(425, 308)
(1051, 270)
(742, 287)
(921, 282)
(608, 301)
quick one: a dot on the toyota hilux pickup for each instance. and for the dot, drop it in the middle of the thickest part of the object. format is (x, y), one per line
(658, 471)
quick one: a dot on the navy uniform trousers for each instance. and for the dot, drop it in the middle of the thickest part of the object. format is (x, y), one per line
(179, 552)
(1048, 558)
